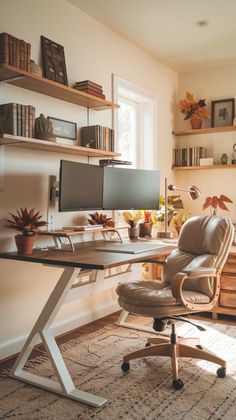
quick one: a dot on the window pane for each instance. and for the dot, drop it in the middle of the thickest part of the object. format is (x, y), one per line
(127, 120)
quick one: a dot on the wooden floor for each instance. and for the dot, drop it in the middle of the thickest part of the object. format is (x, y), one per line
(101, 323)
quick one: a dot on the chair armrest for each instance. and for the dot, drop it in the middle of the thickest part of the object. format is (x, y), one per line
(177, 289)
(200, 272)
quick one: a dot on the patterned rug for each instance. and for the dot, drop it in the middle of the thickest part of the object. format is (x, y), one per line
(145, 393)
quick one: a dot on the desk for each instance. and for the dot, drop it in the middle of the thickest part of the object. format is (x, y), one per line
(84, 257)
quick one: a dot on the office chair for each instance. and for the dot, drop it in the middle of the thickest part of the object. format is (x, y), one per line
(191, 283)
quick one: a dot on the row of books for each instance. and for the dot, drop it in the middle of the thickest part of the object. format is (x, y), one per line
(17, 119)
(188, 156)
(90, 87)
(14, 51)
(97, 137)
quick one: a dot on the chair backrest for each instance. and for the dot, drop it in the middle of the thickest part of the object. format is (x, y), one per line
(204, 241)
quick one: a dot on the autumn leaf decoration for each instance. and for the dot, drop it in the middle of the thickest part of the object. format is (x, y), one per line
(215, 202)
(191, 108)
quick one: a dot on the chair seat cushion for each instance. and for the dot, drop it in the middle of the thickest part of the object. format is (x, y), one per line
(151, 293)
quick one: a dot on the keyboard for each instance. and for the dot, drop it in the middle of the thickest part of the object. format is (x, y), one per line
(133, 248)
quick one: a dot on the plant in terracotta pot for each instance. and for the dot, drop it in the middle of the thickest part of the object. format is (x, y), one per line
(100, 219)
(145, 227)
(194, 110)
(28, 222)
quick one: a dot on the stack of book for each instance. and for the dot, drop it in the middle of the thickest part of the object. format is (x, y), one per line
(97, 137)
(14, 51)
(188, 156)
(17, 119)
(91, 88)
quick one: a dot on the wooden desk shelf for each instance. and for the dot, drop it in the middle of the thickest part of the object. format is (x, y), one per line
(36, 83)
(204, 131)
(48, 146)
(200, 168)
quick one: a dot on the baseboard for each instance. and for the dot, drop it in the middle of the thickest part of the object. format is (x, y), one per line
(13, 346)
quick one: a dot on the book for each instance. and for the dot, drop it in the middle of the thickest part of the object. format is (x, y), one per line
(90, 136)
(84, 87)
(88, 83)
(91, 92)
(18, 119)
(8, 118)
(4, 48)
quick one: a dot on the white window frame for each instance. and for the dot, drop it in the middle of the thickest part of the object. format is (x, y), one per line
(146, 147)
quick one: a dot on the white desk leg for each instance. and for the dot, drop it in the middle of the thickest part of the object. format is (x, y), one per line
(65, 385)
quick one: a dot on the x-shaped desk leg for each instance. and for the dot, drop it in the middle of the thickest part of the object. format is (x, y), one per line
(65, 385)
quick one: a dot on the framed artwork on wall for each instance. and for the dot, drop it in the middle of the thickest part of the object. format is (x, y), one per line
(64, 129)
(53, 57)
(222, 112)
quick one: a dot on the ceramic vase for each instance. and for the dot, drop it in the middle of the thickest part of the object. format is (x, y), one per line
(145, 229)
(133, 232)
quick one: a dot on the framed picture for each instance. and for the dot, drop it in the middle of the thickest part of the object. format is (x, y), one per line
(64, 129)
(222, 112)
(53, 58)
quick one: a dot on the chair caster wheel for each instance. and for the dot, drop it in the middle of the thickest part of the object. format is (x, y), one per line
(147, 344)
(177, 384)
(125, 367)
(221, 372)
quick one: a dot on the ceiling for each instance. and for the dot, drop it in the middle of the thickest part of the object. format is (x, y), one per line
(166, 29)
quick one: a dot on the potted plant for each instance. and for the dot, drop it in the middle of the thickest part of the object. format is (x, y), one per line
(193, 110)
(100, 219)
(28, 223)
(132, 219)
(179, 219)
(215, 202)
(145, 227)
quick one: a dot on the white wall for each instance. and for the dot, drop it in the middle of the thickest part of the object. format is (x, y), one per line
(94, 52)
(211, 84)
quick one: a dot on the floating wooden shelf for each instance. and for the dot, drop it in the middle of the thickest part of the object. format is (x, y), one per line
(200, 168)
(28, 143)
(204, 131)
(36, 83)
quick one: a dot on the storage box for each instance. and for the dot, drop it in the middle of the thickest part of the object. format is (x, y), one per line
(206, 161)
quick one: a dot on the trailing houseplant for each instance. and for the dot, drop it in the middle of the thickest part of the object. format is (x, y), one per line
(28, 223)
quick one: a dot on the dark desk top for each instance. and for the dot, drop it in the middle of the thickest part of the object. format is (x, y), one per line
(86, 256)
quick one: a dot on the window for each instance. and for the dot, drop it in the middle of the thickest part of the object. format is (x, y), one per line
(134, 125)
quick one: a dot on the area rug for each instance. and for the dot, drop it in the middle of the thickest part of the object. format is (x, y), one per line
(145, 393)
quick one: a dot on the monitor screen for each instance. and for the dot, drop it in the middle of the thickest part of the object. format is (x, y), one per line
(80, 186)
(134, 189)
(90, 187)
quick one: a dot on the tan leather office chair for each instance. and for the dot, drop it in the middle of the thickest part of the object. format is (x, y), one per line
(191, 283)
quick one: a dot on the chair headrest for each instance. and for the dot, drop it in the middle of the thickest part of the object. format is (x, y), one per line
(205, 234)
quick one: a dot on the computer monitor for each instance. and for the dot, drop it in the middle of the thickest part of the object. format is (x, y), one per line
(90, 187)
(80, 186)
